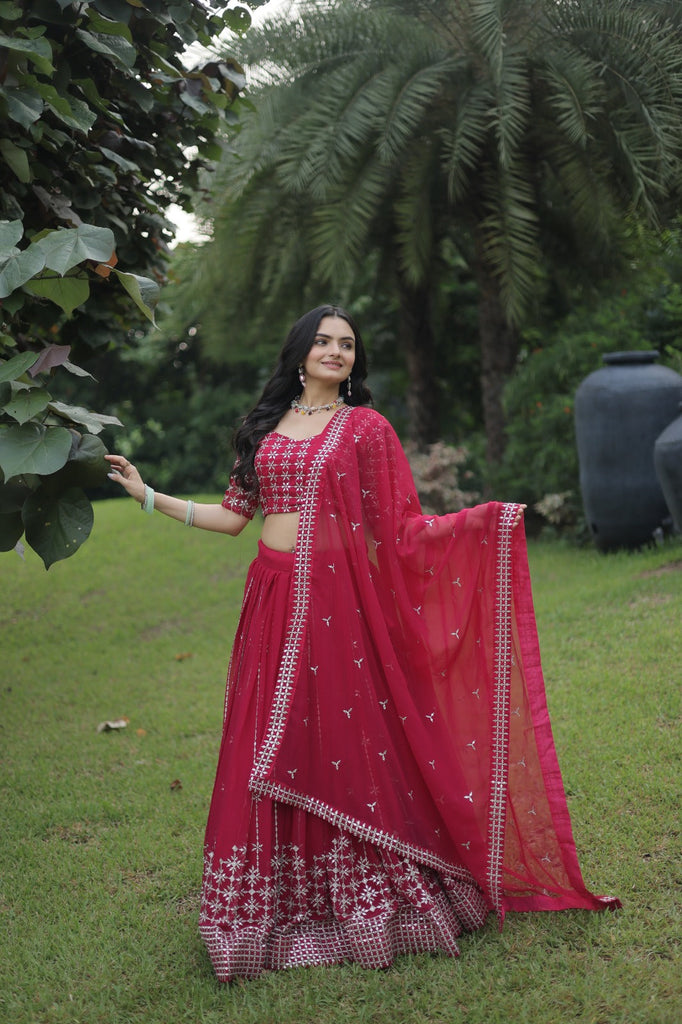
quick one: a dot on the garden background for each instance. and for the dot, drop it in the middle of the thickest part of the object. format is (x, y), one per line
(493, 188)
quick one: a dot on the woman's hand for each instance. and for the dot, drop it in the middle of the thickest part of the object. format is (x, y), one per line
(519, 516)
(125, 474)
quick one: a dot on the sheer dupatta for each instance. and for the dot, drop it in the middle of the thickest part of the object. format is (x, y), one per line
(410, 708)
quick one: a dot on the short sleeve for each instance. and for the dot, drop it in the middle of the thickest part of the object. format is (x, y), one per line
(238, 499)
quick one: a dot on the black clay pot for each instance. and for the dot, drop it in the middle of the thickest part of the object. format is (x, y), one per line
(668, 463)
(620, 410)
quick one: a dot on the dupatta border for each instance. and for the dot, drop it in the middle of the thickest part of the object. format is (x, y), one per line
(499, 757)
(362, 830)
(302, 572)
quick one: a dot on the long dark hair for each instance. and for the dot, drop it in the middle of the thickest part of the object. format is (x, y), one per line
(285, 385)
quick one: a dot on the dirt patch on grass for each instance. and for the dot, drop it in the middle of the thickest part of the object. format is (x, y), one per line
(189, 903)
(77, 833)
(663, 570)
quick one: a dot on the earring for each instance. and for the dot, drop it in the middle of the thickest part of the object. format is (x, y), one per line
(349, 386)
(301, 374)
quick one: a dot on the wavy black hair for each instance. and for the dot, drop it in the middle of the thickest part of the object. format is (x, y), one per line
(284, 385)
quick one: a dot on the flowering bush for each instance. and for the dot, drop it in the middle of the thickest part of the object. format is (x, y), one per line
(436, 474)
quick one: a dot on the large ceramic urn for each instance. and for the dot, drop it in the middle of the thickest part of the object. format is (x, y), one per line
(668, 463)
(620, 410)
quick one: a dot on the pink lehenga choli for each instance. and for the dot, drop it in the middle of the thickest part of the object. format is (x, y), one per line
(387, 774)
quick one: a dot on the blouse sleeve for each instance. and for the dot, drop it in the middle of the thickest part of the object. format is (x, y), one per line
(238, 499)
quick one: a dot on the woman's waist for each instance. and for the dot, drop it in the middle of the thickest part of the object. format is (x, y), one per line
(280, 530)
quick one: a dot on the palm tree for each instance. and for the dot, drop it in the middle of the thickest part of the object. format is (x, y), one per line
(524, 131)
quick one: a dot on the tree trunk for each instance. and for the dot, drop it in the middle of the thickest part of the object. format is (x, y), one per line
(416, 339)
(499, 349)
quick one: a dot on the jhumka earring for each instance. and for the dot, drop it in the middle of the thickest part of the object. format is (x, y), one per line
(301, 374)
(349, 386)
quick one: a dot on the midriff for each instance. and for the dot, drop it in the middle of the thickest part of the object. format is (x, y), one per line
(280, 530)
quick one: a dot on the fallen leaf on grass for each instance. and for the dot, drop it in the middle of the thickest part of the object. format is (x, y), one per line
(176, 784)
(116, 723)
(184, 656)
(140, 732)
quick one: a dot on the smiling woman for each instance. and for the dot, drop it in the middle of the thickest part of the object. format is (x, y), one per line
(387, 775)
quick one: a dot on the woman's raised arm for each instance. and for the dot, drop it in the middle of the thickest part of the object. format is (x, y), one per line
(204, 516)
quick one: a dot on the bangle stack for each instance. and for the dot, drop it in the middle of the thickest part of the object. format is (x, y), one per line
(148, 503)
(189, 518)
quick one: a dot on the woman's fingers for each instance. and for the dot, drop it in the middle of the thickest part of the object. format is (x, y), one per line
(124, 473)
(120, 465)
(519, 515)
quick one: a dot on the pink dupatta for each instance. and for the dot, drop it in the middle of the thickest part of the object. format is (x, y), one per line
(410, 707)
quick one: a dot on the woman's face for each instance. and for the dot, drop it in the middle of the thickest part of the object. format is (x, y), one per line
(332, 355)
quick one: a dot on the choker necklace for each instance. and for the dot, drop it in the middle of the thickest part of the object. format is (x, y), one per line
(308, 410)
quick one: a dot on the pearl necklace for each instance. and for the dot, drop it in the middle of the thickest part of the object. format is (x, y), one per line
(308, 410)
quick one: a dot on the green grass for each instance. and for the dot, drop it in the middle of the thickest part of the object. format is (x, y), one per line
(100, 854)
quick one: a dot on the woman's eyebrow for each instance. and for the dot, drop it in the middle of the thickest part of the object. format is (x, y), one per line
(345, 337)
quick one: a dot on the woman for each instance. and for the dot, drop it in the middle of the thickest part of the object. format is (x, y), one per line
(387, 775)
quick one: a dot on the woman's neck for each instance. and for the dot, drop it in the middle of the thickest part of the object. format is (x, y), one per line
(315, 395)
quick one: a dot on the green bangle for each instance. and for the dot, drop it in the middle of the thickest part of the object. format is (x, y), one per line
(189, 518)
(148, 503)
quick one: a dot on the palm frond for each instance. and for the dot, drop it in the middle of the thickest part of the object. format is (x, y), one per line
(512, 111)
(488, 32)
(415, 212)
(463, 144)
(410, 94)
(509, 231)
(341, 225)
(579, 189)
(639, 60)
(570, 85)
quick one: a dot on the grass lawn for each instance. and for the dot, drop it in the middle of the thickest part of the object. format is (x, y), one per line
(101, 833)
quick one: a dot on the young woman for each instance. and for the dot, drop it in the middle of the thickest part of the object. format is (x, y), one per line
(387, 775)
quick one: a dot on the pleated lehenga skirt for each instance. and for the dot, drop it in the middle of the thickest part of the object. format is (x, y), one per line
(282, 887)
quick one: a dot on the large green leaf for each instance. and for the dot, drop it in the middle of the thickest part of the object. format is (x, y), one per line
(86, 466)
(11, 529)
(12, 369)
(25, 404)
(92, 421)
(120, 161)
(66, 292)
(108, 26)
(65, 248)
(10, 10)
(143, 291)
(73, 112)
(119, 50)
(16, 159)
(14, 494)
(33, 448)
(10, 233)
(57, 526)
(37, 50)
(77, 371)
(23, 106)
(119, 10)
(20, 268)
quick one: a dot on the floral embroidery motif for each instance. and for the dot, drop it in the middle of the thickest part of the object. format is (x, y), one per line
(344, 904)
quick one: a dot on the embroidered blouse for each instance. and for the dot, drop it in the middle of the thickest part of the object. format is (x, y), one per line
(282, 465)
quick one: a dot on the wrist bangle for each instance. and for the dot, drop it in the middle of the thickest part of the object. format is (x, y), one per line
(189, 518)
(148, 503)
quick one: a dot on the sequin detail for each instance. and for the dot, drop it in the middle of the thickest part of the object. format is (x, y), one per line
(282, 466)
